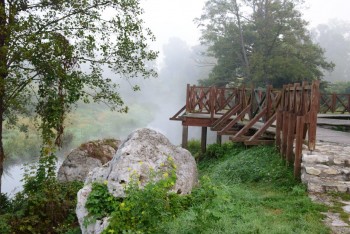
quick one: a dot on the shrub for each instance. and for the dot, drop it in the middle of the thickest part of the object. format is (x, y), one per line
(45, 209)
(143, 210)
(194, 146)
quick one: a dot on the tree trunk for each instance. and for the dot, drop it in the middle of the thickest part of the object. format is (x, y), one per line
(2, 154)
(3, 75)
(244, 52)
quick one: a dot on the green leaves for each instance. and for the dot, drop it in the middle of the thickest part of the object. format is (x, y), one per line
(266, 43)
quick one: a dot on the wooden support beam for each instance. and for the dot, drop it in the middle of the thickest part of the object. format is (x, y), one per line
(216, 125)
(204, 139)
(251, 123)
(218, 139)
(185, 137)
(234, 121)
(264, 128)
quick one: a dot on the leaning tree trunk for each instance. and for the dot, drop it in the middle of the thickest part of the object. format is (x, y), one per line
(242, 42)
(2, 154)
(3, 75)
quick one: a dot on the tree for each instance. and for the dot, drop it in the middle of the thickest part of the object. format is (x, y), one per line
(259, 41)
(53, 53)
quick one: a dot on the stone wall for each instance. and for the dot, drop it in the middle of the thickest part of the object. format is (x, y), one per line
(327, 168)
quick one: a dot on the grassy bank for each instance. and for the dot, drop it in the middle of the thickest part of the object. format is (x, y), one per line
(256, 193)
(242, 191)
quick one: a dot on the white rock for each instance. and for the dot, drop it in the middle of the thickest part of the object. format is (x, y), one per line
(331, 171)
(88, 156)
(314, 158)
(143, 152)
(312, 171)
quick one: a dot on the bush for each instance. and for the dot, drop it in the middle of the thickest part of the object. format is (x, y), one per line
(46, 209)
(143, 210)
(194, 146)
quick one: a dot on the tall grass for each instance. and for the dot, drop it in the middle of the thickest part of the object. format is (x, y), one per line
(256, 193)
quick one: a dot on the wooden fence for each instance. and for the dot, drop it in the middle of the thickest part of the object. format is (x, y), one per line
(290, 113)
(334, 103)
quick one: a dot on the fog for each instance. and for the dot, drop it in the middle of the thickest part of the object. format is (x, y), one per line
(177, 39)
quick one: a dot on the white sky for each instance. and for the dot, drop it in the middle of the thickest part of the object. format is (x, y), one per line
(174, 18)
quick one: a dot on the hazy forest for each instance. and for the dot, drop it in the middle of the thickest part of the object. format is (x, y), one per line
(79, 70)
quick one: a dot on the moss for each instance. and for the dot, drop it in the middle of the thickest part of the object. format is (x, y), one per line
(96, 149)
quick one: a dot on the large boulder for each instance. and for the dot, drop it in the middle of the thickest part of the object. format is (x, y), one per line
(144, 151)
(88, 156)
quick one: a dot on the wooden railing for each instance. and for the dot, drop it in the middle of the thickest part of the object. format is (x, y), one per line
(292, 110)
(296, 121)
(334, 103)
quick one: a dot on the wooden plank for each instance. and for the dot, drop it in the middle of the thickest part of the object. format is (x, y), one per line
(176, 116)
(238, 139)
(259, 142)
(234, 121)
(248, 125)
(262, 129)
(225, 117)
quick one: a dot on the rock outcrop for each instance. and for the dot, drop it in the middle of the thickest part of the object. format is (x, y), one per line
(88, 156)
(143, 153)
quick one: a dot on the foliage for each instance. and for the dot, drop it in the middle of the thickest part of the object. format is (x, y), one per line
(260, 42)
(143, 209)
(4, 203)
(54, 53)
(194, 146)
(43, 209)
(215, 151)
(338, 87)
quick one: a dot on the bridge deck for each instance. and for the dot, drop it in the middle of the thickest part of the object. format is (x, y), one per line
(329, 135)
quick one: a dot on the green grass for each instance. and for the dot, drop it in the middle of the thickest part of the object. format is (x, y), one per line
(256, 193)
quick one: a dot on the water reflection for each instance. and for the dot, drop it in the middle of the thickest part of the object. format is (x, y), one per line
(11, 181)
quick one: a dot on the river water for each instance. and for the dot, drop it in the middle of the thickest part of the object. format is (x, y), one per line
(11, 180)
(13, 176)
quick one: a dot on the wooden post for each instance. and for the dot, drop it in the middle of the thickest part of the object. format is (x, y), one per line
(284, 133)
(184, 137)
(298, 146)
(334, 102)
(188, 96)
(290, 137)
(204, 140)
(278, 129)
(218, 139)
(314, 107)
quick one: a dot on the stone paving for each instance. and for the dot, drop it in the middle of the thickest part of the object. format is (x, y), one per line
(327, 169)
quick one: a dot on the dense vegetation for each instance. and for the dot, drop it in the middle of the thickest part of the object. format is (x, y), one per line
(54, 53)
(260, 42)
(241, 191)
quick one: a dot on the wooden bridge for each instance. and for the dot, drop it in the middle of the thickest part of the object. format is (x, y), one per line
(286, 117)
